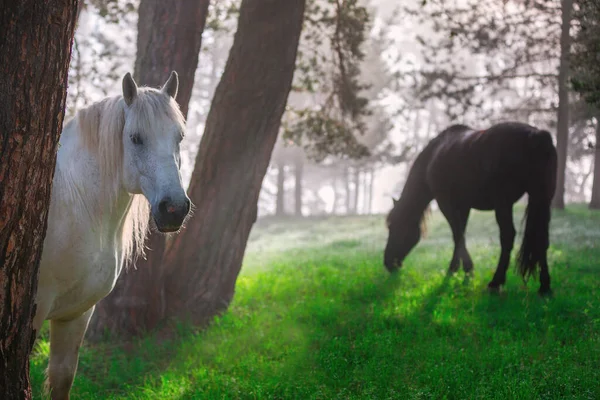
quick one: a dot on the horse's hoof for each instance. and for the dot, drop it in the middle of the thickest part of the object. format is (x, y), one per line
(545, 293)
(493, 288)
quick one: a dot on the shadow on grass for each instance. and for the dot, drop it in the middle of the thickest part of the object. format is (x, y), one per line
(350, 331)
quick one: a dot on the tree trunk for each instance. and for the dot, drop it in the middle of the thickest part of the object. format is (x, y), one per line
(371, 190)
(356, 179)
(35, 50)
(348, 190)
(169, 38)
(336, 197)
(298, 176)
(595, 202)
(235, 151)
(280, 199)
(368, 191)
(562, 131)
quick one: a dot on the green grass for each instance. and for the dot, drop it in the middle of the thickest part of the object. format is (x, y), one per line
(316, 316)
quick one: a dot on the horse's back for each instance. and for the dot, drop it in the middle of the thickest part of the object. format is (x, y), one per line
(487, 166)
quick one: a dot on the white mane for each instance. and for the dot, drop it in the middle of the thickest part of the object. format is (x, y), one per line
(100, 127)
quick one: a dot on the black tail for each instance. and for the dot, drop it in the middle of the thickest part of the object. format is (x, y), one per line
(542, 184)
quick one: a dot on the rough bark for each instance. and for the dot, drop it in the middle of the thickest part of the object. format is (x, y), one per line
(562, 131)
(235, 151)
(35, 50)
(298, 188)
(169, 38)
(280, 199)
(595, 202)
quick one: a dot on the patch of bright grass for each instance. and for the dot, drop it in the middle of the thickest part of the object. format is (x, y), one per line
(316, 316)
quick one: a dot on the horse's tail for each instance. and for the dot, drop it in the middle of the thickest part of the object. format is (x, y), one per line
(542, 185)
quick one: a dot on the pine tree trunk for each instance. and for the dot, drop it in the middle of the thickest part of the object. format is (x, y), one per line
(280, 199)
(169, 38)
(595, 202)
(356, 179)
(35, 51)
(336, 195)
(298, 189)
(347, 190)
(368, 191)
(562, 132)
(235, 151)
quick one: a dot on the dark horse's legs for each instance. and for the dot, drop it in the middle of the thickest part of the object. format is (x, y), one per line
(544, 277)
(457, 218)
(504, 218)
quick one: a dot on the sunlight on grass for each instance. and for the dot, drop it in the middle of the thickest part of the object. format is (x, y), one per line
(316, 316)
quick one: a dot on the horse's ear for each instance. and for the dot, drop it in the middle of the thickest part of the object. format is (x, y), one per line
(172, 85)
(129, 89)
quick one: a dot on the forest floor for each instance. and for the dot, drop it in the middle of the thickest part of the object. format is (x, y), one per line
(316, 316)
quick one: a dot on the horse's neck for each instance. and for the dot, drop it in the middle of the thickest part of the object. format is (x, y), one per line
(79, 186)
(416, 195)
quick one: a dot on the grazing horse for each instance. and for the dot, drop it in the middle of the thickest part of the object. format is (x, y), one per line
(118, 162)
(463, 168)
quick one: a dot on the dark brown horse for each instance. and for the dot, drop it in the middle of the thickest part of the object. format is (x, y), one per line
(463, 168)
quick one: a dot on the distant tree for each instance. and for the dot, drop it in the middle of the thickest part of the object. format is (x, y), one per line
(562, 131)
(595, 201)
(35, 49)
(169, 38)
(328, 73)
(586, 53)
(586, 74)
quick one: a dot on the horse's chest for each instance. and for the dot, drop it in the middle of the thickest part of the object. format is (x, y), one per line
(77, 282)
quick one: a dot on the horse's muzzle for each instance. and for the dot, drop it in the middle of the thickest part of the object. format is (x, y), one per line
(169, 215)
(392, 264)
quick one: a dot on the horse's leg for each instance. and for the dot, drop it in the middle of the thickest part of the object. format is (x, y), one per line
(457, 218)
(544, 277)
(504, 218)
(467, 262)
(65, 339)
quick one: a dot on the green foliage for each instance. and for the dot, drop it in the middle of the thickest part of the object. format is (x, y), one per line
(316, 316)
(328, 66)
(487, 59)
(586, 54)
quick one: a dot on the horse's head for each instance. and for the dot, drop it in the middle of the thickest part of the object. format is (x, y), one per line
(404, 234)
(154, 128)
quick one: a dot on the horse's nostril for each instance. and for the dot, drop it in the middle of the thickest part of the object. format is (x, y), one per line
(165, 206)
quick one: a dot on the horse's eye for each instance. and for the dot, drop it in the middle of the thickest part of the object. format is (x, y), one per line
(137, 139)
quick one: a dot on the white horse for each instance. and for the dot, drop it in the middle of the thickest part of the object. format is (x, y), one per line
(115, 157)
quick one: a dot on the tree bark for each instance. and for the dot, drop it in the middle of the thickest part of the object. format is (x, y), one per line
(280, 199)
(169, 38)
(595, 202)
(298, 188)
(35, 51)
(562, 132)
(235, 151)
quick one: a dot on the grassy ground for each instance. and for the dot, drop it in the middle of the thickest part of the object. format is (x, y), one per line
(316, 316)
